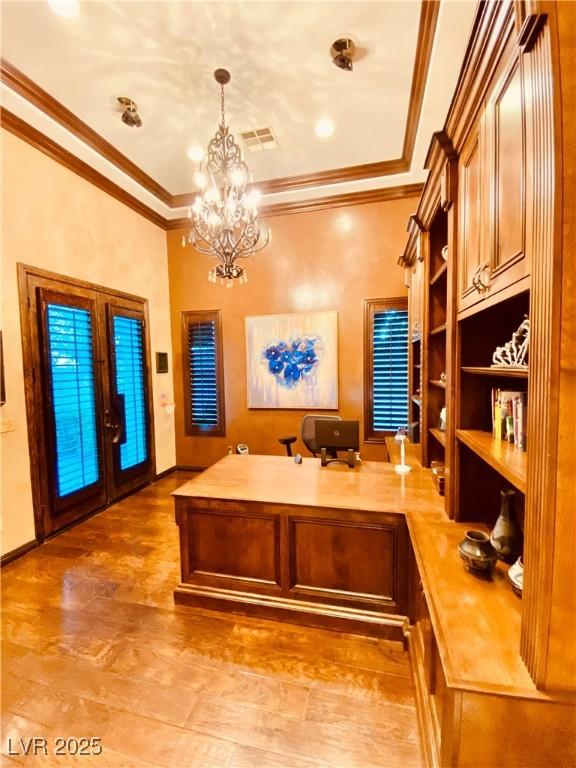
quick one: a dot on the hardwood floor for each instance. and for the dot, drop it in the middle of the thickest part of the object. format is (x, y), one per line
(93, 646)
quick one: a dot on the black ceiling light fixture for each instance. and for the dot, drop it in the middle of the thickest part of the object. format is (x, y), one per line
(130, 114)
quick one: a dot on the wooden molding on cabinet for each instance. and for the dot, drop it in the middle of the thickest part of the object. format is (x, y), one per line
(440, 187)
(549, 624)
(412, 251)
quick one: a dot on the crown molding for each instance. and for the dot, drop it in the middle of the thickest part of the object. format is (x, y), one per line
(322, 203)
(29, 90)
(426, 32)
(37, 139)
(306, 180)
(52, 149)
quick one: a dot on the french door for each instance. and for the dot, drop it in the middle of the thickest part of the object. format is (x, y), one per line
(86, 360)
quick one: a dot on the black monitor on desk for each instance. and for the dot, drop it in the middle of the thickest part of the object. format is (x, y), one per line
(333, 436)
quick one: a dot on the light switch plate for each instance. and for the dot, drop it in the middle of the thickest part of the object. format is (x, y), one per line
(6, 424)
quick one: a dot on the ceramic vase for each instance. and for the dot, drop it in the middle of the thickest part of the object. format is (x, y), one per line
(477, 553)
(506, 536)
(516, 576)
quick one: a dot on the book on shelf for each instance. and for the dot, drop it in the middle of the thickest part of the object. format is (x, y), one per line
(509, 412)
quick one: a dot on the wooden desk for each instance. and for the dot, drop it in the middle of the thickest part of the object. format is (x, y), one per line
(326, 546)
(362, 550)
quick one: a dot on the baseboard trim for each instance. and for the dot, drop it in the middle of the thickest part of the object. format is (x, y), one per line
(426, 730)
(14, 554)
(188, 468)
(165, 473)
(321, 615)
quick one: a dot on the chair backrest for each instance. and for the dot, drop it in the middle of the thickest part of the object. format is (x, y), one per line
(308, 432)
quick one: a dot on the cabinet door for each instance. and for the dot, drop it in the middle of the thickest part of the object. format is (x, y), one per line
(506, 170)
(473, 221)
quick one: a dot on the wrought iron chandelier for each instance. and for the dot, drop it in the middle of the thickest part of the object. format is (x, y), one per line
(224, 215)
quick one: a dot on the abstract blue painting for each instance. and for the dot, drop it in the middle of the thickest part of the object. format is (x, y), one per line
(292, 360)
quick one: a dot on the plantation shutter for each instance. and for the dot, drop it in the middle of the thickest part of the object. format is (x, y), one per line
(390, 370)
(71, 373)
(130, 383)
(203, 385)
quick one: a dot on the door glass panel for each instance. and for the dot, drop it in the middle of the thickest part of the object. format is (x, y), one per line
(129, 366)
(74, 407)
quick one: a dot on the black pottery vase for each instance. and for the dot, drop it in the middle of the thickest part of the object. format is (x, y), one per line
(477, 553)
(506, 536)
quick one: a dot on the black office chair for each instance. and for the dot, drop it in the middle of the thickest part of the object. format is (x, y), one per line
(307, 433)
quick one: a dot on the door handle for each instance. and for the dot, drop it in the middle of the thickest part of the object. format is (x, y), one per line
(115, 429)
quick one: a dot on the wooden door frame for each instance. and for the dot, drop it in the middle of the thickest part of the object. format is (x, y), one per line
(29, 278)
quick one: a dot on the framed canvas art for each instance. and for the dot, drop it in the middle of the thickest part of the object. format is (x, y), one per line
(292, 361)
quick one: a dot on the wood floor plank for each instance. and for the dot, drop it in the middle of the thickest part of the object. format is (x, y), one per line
(93, 645)
(391, 721)
(250, 757)
(341, 745)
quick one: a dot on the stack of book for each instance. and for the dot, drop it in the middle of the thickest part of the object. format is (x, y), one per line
(509, 414)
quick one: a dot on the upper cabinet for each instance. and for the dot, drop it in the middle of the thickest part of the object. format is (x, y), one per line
(492, 184)
(506, 145)
(470, 248)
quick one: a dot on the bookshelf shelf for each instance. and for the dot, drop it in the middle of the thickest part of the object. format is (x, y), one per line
(439, 329)
(439, 436)
(505, 458)
(438, 383)
(439, 273)
(513, 373)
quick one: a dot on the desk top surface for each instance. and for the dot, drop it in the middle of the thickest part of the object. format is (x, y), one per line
(372, 486)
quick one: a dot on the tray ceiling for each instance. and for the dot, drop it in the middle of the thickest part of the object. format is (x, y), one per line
(162, 55)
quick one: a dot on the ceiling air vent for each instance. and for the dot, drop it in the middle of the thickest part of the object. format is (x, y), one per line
(259, 139)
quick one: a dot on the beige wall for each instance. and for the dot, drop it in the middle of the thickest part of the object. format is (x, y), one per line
(51, 218)
(326, 260)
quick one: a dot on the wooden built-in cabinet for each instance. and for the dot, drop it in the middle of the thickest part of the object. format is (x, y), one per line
(493, 169)
(497, 195)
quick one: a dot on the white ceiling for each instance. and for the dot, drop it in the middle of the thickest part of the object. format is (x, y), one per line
(162, 54)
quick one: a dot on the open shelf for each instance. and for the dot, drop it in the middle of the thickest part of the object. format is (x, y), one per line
(439, 435)
(417, 400)
(513, 373)
(438, 383)
(439, 329)
(439, 272)
(505, 458)
(458, 599)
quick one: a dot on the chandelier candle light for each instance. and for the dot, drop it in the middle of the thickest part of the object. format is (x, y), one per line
(224, 215)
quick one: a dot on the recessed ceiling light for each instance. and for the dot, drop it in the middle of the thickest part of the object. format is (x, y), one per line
(324, 128)
(66, 8)
(196, 154)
